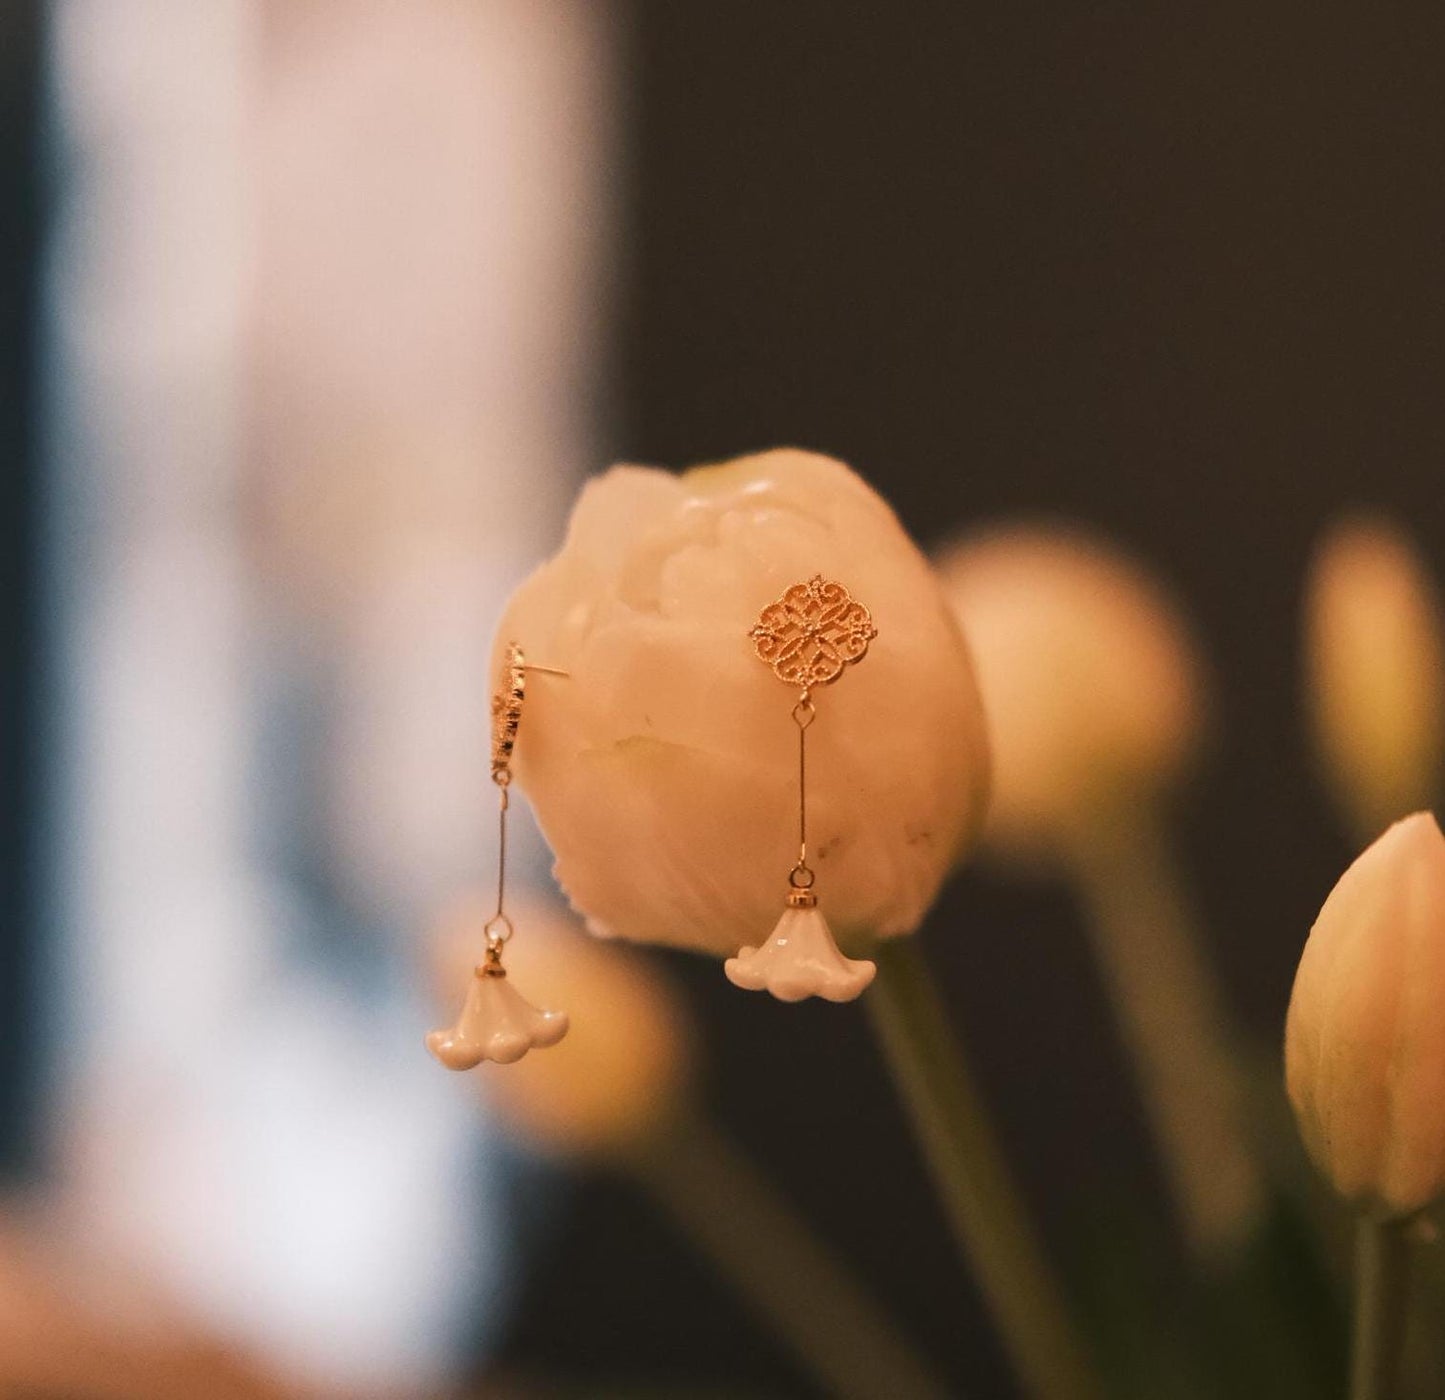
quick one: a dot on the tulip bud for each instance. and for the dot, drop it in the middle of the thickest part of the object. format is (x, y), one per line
(1376, 673)
(625, 1065)
(1365, 1037)
(664, 772)
(1091, 682)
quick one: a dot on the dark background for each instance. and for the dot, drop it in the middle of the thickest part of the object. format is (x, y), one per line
(20, 225)
(1173, 272)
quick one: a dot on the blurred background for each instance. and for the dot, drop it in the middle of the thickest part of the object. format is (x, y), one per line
(314, 314)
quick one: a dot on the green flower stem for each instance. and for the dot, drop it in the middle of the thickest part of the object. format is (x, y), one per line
(978, 1196)
(1382, 1260)
(794, 1285)
(1171, 1012)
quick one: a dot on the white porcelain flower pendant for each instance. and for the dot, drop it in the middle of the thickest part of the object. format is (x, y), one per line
(808, 637)
(800, 960)
(496, 1023)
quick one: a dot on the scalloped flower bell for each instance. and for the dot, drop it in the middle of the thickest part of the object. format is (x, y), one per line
(1365, 1038)
(626, 1068)
(496, 1023)
(800, 960)
(664, 776)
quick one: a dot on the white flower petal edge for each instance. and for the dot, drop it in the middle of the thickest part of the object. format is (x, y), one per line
(496, 1023)
(800, 960)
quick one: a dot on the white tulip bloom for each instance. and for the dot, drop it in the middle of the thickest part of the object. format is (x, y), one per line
(664, 771)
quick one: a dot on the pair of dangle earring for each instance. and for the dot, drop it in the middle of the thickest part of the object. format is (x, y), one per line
(496, 1021)
(809, 637)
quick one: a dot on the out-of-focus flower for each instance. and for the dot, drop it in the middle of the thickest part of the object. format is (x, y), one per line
(664, 772)
(1365, 1038)
(1094, 693)
(1375, 685)
(626, 1063)
(1091, 683)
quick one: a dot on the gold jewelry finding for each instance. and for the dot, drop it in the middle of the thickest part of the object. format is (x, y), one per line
(495, 1022)
(506, 725)
(808, 638)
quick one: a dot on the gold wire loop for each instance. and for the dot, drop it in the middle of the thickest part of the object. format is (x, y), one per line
(804, 712)
(801, 877)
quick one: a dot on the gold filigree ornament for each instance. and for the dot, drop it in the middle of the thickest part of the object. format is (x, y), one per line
(809, 637)
(812, 633)
(496, 1022)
